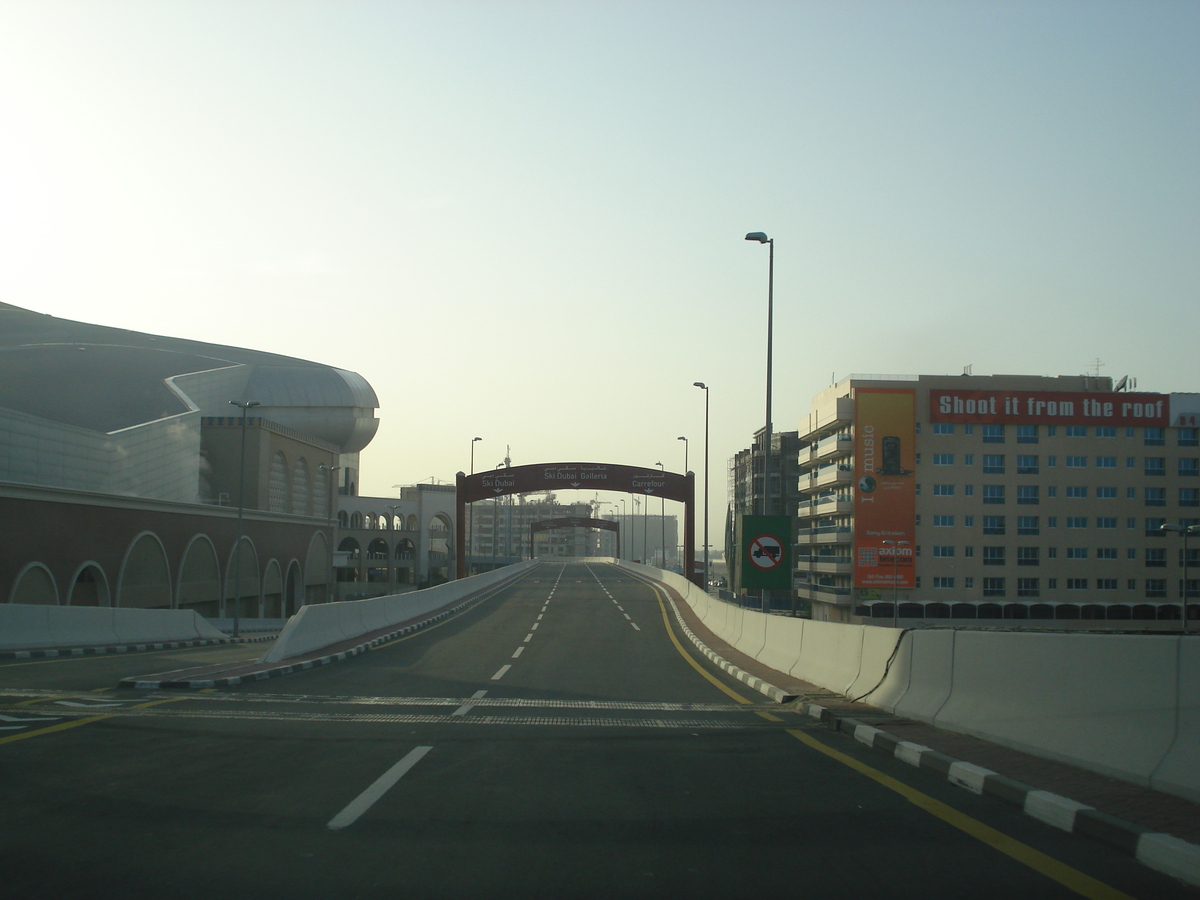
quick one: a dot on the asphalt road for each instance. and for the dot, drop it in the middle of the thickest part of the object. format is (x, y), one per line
(557, 740)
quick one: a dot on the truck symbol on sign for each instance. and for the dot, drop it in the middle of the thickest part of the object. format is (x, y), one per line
(771, 550)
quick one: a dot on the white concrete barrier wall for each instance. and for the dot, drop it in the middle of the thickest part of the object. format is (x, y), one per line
(25, 626)
(319, 625)
(1123, 705)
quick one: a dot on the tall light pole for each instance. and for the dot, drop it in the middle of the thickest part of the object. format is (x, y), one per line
(691, 563)
(763, 239)
(469, 508)
(662, 515)
(623, 537)
(685, 452)
(237, 552)
(895, 545)
(330, 593)
(1183, 530)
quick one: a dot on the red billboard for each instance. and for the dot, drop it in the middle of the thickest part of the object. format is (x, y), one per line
(1048, 407)
(885, 492)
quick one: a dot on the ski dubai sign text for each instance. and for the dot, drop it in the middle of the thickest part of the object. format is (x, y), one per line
(576, 476)
(1050, 407)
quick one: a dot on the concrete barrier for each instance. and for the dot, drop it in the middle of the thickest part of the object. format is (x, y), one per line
(319, 625)
(877, 649)
(1179, 772)
(784, 644)
(25, 627)
(930, 674)
(1105, 702)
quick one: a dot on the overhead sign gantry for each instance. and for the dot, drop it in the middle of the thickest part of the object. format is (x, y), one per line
(576, 476)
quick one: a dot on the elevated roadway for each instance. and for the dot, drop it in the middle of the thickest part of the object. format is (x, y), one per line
(559, 739)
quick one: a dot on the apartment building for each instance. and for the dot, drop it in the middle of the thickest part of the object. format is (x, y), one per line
(997, 497)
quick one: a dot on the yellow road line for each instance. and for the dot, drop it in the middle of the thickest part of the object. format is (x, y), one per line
(1073, 879)
(691, 660)
(75, 723)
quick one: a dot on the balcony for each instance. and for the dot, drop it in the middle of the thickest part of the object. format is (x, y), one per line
(829, 534)
(833, 447)
(825, 506)
(824, 593)
(829, 476)
(836, 416)
(826, 565)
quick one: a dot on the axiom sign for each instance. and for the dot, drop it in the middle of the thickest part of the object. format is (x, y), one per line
(1048, 407)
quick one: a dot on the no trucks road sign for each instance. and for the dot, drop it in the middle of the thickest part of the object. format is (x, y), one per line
(766, 552)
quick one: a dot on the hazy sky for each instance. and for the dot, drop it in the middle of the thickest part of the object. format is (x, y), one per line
(525, 221)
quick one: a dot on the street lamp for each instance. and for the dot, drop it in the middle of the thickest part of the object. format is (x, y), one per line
(470, 507)
(329, 589)
(623, 533)
(691, 563)
(1183, 530)
(896, 545)
(662, 515)
(763, 239)
(685, 452)
(237, 553)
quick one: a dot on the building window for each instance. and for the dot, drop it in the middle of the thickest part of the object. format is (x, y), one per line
(1131, 493)
(1076, 492)
(968, 582)
(942, 582)
(1131, 553)
(1189, 467)
(993, 524)
(1156, 588)
(1027, 494)
(1027, 525)
(993, 556)
(1106, 493)
(969, 552)
(1131, 462)
(1154, 437)
(1106, 431)
(1077, 521)
(1156, 496)
(943, 459)
(968, 521)
(1156, 558)
(1106, 553)
(1051, 461)
(1154, 527)
(1076, 431)
(1052, 521)
(1106, 462)
(1052, 583)
(968, 459)
(1077, 584)
(1051, 553)
(943, 490)
(1076, 462)
(1106, 522)
(993, 434)
(1027, 465)
(943, 428)
(1189, 496)
(968, 490)
(942, 552)
(1106, 584)
(993, 464)
(993, 587)
(1155, 465)
(943, 521)
(1027, 434)
(1077, 553)
(993, 493)
(1027, 556)
(1027, 587)
(1188, 437)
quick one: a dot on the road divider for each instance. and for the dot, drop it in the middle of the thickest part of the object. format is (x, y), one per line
(25, 626)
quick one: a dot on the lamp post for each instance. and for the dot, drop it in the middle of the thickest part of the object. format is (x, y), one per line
(1183, 530)
(391, 553)
(662, 516)
(623, 528)
(329, 591)
(237, 552)
(691, 563)
(763, 239)
(469, 508)
(895, 545)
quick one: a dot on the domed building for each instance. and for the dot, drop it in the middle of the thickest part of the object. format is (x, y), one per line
(120, 462)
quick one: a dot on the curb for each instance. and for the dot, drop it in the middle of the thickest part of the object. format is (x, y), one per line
(1161, 852)
(122, 648)
(153, 682)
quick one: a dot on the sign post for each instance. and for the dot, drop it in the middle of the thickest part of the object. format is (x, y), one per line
(765, 561)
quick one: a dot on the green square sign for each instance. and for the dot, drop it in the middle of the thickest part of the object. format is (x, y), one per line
(765, 552)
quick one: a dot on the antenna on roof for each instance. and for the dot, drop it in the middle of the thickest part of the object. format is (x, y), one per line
(967, 369)
(1097, 363)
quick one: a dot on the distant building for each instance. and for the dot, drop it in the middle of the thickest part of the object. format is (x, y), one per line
(999, 497)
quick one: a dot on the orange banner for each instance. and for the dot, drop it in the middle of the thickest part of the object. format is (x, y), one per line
(885, 488)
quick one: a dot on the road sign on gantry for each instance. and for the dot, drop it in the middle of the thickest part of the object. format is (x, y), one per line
(766, 554)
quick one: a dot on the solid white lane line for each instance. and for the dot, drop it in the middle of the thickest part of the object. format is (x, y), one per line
(367, 798)
(467, 707)
(500, 674)
(518, 652)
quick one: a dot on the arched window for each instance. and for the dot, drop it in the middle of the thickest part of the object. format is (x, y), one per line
(277, 485)
(300, 490)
